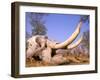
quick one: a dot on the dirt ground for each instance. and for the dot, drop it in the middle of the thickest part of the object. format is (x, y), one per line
(70, 60)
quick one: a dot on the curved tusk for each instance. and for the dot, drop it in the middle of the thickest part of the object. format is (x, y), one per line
(75, 44)
(70, 39)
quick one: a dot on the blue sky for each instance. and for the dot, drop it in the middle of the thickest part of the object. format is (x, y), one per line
(60, 26)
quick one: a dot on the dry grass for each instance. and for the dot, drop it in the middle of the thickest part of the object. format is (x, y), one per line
(70, 60)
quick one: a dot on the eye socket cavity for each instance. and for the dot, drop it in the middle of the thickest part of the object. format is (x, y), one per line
(30, 44)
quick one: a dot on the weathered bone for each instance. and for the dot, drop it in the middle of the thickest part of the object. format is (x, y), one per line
(34, 47)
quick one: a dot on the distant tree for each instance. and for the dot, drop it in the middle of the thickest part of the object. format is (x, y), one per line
(37, 23)
(84, 18)
(85, 40)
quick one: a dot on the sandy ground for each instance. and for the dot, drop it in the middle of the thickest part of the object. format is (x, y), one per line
(70, 60)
